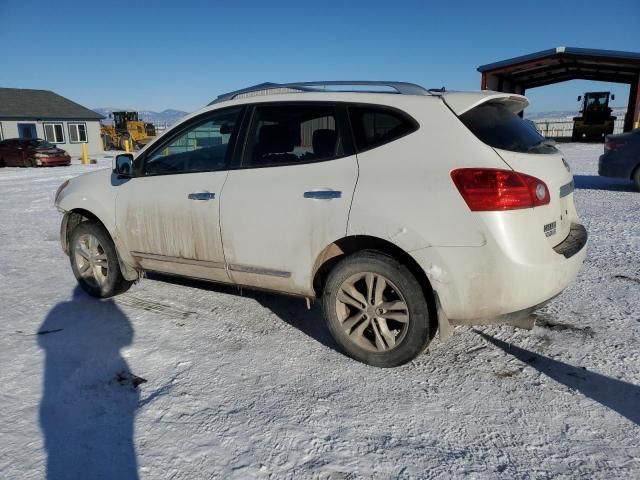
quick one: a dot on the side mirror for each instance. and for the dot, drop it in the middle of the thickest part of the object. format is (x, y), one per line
(613, 96)
(123, 164)
(579, 97)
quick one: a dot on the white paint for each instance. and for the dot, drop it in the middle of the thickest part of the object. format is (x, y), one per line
(435, 273)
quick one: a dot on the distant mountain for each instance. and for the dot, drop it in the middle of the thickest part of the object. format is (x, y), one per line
(166, 117)
(567, 115)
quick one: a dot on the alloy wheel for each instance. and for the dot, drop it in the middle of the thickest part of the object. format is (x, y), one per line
(91, 260)
(372, 311)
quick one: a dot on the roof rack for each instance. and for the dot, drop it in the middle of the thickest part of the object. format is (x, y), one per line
(402, 88)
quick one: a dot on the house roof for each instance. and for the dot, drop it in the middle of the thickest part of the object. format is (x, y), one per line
(21, 103)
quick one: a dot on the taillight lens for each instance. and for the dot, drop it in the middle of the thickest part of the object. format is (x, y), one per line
(613, 144)
(489, 189)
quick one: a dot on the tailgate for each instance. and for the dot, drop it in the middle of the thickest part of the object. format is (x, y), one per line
(493, 118)
(554, 218)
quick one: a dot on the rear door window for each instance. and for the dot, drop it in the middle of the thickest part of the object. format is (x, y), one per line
(375, 126)
(498, 127)
(293, 134)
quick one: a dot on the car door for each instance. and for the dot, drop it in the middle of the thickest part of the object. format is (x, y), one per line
(290, 196)
(168, 215)
(12, 153)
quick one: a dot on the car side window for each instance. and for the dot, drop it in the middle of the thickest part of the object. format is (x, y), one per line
(375, 126)
(292, 134)
(201, 147)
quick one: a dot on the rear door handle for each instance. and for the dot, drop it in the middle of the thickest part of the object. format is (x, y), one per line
(323, 194)
(201, 196)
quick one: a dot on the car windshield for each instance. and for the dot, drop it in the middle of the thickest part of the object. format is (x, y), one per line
(498, 127)
(39, 143)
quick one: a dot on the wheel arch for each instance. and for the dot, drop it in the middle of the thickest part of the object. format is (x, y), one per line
(346, 246)
(73, 218)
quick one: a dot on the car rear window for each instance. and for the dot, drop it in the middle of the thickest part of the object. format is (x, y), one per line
(376, 126)
(498, 127)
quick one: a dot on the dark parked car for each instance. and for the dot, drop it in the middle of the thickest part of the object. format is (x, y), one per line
(621, 156)
(31, 152)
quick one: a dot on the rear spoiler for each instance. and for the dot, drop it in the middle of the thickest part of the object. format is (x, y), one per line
(461, 102)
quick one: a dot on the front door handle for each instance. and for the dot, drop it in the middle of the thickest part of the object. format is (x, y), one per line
(323, 194)
(201, 196)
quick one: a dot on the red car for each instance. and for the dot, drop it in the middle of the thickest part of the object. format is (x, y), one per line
(31, 152)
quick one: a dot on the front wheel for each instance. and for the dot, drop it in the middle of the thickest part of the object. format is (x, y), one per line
(123, 142)
(94, 261)
(376, 310)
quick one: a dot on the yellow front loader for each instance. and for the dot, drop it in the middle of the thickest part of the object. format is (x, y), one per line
(126, 127)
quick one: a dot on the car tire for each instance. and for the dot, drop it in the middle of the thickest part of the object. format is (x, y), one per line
(94, 261)
(636, 177)
(376, 310)
(31, 162)
(2, 164)
(108, 142)
(124, 139)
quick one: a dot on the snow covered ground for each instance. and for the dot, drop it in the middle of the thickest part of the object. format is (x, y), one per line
(249, 385)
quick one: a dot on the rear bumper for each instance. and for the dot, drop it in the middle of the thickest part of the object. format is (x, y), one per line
(574, 243)
(490, 284)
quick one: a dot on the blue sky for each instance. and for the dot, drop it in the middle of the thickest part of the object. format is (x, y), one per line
(183, 54)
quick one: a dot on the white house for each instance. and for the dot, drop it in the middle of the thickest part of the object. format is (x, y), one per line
(28, 113)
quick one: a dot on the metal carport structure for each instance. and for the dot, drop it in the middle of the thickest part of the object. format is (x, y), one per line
(560, 64)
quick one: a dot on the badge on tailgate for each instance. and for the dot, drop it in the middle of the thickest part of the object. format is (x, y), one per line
(550, 229)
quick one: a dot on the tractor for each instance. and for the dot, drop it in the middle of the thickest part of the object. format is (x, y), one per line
(596, 121)
(126, 127)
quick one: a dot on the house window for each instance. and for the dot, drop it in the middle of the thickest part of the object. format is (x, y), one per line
(77, 132)
(27, 130)
(53, 132)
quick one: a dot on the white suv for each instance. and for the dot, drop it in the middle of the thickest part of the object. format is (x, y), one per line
(403, 209)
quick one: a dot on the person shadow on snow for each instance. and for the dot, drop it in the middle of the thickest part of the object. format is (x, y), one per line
(89, 399)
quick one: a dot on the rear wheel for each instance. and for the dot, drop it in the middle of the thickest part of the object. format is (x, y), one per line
(2, 164)
(31, 162)
(376, 310)
(94, 261)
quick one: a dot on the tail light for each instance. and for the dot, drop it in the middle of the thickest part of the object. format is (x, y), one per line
(613, 144)
(489, 189)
